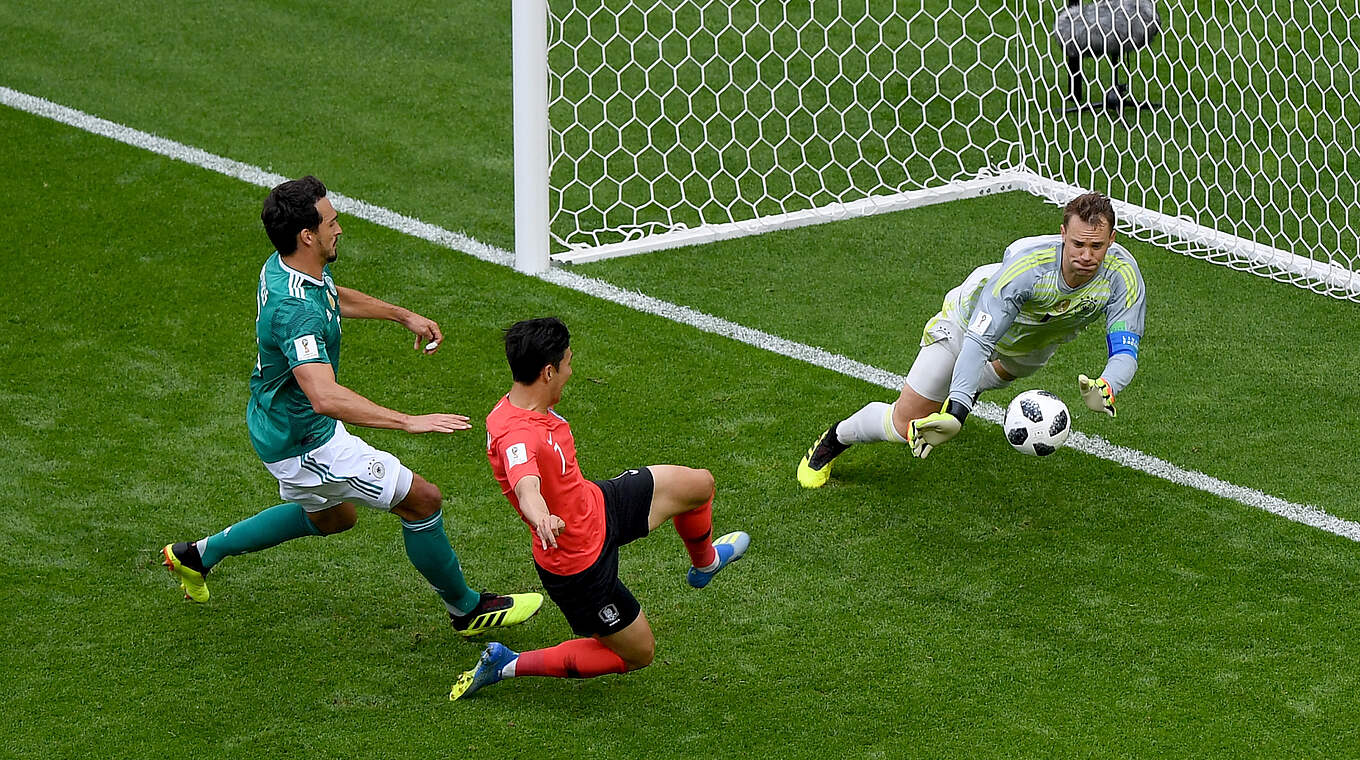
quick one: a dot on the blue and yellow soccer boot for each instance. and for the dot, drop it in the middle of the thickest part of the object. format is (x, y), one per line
(496, 611)
(487, 671)
(182, 561)
(730, 548)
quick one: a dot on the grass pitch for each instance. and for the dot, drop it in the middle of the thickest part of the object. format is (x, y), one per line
(976, 604)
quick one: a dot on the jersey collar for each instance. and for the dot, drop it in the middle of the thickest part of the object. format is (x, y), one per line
(291, 270)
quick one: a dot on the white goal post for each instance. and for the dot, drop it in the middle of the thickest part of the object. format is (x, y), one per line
(649, 124)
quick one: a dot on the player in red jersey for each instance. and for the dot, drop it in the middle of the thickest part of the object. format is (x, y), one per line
(578, 525)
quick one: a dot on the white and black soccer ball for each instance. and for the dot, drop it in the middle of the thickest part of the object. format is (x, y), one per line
(1037, 423)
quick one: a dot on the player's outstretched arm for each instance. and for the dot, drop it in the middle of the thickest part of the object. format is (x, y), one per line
(1097, 394)
(991, 318)
(357, 305)
(328, 397)
(926, 433)
(532, 505)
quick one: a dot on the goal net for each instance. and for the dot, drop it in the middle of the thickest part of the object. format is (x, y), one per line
(674, 122)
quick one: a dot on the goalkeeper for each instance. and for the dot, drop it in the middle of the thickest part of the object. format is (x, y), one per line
(1006, 321)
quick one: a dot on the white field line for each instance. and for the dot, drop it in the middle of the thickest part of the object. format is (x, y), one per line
(1301, 513)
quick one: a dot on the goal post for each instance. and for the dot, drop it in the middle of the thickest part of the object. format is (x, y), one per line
(529, 20)
(678, 122)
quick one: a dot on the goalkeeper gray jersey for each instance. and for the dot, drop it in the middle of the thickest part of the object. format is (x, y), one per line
(1023, 306)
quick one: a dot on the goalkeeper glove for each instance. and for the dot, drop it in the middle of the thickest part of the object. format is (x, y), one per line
(1097, 394)
(930, 431)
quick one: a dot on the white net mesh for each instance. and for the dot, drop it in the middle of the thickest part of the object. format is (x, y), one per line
(1253, 155)
(673, 114)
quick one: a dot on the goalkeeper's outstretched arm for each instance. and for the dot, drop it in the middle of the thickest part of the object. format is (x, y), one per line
(1099, 393)
(928, 432)
(1124, 315)
(991, 317)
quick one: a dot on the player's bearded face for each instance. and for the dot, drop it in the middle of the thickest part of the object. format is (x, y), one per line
(330, 241)
(328, 232)
(1084, 248)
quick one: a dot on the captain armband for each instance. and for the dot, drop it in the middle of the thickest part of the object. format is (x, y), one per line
(1123, 342)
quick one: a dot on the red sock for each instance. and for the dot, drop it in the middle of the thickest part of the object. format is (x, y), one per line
(696, 530)
(575, 658)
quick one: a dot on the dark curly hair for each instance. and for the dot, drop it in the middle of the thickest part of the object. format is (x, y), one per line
(290, 209)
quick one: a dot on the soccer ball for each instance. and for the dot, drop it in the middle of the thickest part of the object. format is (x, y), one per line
(1037, 423)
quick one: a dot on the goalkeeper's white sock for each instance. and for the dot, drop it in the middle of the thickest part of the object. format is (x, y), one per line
(870, 424)
(989, 380)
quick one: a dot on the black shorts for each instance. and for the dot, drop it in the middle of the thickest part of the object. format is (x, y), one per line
(594, 601)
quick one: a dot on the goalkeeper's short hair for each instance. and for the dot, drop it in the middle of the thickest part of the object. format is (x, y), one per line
(1092, 208)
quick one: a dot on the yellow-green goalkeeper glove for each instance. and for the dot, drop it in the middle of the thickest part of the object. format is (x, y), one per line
(928, 432)
(1097, 394)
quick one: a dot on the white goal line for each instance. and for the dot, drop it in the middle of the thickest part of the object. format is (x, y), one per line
(1094, 445)
(1240, 250)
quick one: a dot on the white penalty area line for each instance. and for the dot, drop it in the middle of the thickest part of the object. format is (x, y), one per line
(1095, 445)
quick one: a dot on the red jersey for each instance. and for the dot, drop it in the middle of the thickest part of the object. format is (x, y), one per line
(521, 442)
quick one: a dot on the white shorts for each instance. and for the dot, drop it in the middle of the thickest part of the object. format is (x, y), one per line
(343, 469)
(933, 370)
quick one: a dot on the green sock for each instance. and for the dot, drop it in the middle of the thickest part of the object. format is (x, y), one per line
(273, 526)
(429, 550)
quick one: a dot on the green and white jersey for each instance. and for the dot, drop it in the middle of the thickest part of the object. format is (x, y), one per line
(297, 322)
(1022, 307)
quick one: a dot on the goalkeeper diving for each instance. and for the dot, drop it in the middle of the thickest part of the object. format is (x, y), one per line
(1005, 321)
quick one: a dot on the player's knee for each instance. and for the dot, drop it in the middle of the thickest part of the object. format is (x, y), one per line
(431, 500)
(642, 656)
(902, 415)
(423, 500)
(338, 526)
(702, 485)
(337, 519)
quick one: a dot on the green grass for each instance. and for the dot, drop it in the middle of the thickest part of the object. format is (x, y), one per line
(975, 604)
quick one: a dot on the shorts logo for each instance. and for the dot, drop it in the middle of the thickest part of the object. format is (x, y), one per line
(609, 614)
(305, 347)
(940, 331)
(376, 469)
(517, 454)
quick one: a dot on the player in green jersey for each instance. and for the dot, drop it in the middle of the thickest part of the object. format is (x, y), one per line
(297, 415)
(1006, 321)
